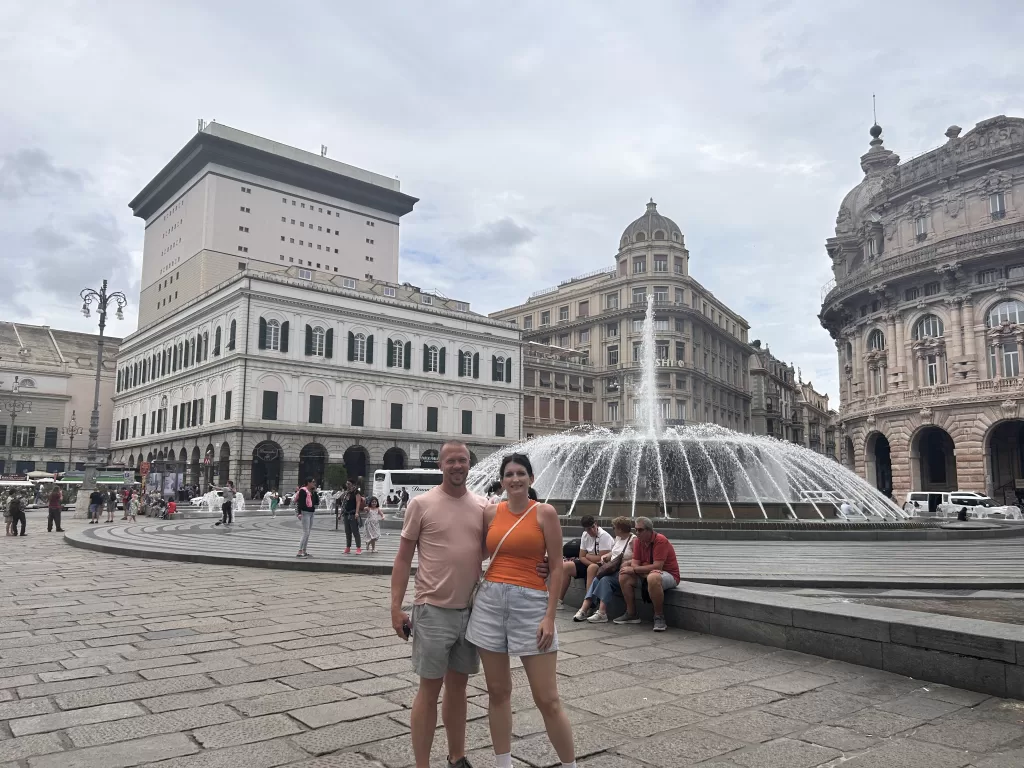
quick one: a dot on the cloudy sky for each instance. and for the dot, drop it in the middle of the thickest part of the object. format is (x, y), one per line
(533, 133)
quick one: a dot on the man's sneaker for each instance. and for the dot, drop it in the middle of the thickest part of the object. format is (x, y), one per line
(581, 615)
(627, 619)
(462, 762)
(561, 605)
(659, 624)
(598, 617)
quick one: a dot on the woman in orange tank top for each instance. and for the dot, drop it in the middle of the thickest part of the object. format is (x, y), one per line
(514, 611)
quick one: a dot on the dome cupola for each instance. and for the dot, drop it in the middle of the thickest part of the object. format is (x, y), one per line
(651, 226)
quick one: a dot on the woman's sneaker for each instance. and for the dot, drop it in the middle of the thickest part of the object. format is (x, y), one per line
(598, 617)
(581, 615)
(627, 619)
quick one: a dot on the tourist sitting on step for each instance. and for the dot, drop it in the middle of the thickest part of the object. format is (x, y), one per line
(595, 543)
(655, 568)
(605, 583)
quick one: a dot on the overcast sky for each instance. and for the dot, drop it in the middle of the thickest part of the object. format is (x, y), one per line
(533, 133)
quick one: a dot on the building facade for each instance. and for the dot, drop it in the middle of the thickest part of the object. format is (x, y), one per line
(927, 311)
(230, 199)
(581, 360)
(54, 375)
(787, 408)
(271, 363)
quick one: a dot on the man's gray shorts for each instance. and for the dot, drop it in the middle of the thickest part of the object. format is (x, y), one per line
(439, 642)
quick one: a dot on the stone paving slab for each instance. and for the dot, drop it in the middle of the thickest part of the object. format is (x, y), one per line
(249, 692)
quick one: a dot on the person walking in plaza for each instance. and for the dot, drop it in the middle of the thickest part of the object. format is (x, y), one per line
(654, 566)
(125, 499)
(53, 504)
(403, 502)
(306, 501)
(8, 518)
(16, 508)
(227, 512)
(110, 502)
(514, 611)
(350, 517)
(275, 499)
(373, 518)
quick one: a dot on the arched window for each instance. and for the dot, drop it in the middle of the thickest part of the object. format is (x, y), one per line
(359, 348)
(398, 354)
(769, 404)
(659, 235)
(1006, 312)
(319, 337)
(849, 352)
(876, 340)
(640, 237)
(433, 360)
(273, 334)
(206, 345)
(499, 368)
(216, 342)
(465, 363)
(928, 327)
(231, 336)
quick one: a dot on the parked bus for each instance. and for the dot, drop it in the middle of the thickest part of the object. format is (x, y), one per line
(391, 482)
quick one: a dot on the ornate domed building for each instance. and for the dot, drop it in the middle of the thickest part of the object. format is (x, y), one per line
(582, 340)
(927, 312)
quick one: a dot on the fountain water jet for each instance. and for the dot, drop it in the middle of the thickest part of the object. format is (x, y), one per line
(702, 471)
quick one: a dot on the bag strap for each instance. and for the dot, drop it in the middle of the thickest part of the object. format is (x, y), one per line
(497, 549)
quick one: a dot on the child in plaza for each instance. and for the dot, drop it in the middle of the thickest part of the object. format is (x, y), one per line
(133, 506)
(373, 518)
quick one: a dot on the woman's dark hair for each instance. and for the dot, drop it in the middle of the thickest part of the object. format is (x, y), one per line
(494, 487)
(516, 458)
(532, 494)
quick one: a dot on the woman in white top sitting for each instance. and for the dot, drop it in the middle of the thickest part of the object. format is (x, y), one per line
(622, 551)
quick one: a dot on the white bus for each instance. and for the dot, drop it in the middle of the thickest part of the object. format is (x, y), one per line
(391, 482)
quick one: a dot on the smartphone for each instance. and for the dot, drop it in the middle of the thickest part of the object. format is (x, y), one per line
(406, 629)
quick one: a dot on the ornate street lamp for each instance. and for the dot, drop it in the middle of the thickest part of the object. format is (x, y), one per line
(14, 405)
(71, 430)
(103, 301)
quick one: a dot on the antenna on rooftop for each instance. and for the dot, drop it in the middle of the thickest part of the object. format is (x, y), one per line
(201, 124)
(323, 150)
(874, 112)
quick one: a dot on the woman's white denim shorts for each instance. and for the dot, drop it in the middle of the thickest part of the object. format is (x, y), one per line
(505, 619)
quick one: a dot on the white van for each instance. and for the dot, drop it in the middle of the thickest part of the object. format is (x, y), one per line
(830, 504)
(948, 505)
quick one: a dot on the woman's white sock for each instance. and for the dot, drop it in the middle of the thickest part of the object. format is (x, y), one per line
(569, 765)
(503, 761)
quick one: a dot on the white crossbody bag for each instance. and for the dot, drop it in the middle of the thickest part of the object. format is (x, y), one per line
(497, 549)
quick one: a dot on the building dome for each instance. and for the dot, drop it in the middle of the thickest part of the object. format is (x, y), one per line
(857, 206)
(651, 226)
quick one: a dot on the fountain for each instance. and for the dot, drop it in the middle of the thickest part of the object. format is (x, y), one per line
(702, 471)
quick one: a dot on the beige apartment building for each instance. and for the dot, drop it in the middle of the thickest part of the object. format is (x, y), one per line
(50, 375)
(927, 312)
(581, 353)
(785, 407)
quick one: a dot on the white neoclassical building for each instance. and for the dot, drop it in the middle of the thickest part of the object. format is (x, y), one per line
(265, 368)
(927, 311)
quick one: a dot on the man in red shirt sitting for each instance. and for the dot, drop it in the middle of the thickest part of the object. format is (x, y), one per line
(654, 564)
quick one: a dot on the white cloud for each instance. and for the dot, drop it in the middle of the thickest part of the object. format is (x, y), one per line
(533, 133)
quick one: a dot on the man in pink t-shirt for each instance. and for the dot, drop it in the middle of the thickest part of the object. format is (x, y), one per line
(446, 526)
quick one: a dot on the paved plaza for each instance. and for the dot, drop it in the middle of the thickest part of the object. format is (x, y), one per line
(982, 562)
(113, 662)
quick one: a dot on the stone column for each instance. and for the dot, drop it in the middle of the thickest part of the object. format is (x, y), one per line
(969, 346)
(1020, 352)
(894, 341)
(958, 330)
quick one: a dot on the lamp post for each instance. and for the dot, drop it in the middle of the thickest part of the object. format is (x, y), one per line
(14, 405)
(103, 301)
(71, 430)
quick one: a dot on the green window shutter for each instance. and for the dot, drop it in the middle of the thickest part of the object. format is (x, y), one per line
(351, 346)
(391, 354)
(369, 349)
(461, 354)
(508, 370)
(329, 344)
(440, 362)
(494, 368)
(284, 336)
(408, 355)
(309, 339)
(426, 358)
(476, 365)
